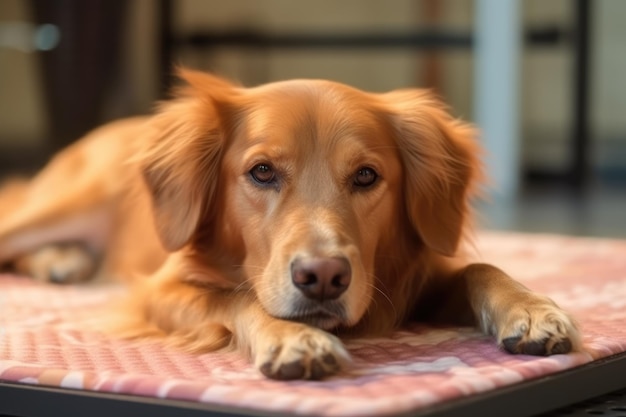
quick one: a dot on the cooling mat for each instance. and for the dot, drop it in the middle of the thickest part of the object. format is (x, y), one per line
(44, 344)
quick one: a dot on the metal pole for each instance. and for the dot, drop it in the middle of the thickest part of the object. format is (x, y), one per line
(498, 41)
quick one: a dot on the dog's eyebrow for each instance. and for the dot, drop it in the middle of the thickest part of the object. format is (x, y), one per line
(257, 140)
(261, 151)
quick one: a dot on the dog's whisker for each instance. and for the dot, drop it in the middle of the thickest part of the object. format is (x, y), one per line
(248, 279)
(246, 282)
(381, 292)
(235, 266)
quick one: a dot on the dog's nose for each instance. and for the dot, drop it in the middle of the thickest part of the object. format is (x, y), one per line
(321, 278)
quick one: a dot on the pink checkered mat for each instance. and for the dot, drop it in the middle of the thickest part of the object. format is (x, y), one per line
(40, 342)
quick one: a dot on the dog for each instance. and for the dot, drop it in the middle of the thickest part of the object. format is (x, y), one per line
(275, 220)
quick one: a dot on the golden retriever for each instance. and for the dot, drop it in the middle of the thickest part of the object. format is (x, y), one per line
(274, 219)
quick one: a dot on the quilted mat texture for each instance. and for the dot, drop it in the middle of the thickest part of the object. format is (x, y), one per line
(41, 342)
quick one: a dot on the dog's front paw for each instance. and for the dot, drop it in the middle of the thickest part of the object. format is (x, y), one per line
(538, 327)
(297, 351)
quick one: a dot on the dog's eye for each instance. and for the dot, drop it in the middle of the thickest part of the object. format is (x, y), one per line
(365, 177)
(263, 174)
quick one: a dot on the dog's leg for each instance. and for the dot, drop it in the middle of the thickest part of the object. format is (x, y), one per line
(56, 240)
(522, 321)
(52, 222)
(50, 226)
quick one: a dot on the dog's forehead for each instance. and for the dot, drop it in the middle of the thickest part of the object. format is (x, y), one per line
(313, 110)
(298, 89)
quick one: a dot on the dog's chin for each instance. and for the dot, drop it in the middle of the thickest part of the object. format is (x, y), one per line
(325, 316)
(320, 320)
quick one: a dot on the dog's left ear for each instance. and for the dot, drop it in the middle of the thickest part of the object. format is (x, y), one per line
(182, 159)
(440, 158)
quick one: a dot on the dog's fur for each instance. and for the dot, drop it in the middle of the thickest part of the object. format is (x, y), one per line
(268, 218)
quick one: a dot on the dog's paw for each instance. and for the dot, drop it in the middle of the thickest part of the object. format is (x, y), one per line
(300, 352)
(58, 263)
(538, 327)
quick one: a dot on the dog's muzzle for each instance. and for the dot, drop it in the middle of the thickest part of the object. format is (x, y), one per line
(320, 281)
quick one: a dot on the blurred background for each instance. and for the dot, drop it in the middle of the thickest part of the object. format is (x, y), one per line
(543, 79)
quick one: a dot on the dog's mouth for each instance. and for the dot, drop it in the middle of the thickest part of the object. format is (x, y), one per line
(323, 316)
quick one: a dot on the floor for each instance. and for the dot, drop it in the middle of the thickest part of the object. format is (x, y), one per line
(598, 211)
(610, 405)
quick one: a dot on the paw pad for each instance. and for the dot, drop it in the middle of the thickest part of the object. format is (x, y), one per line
(542, 347)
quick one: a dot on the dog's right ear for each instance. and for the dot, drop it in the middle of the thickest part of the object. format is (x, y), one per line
(182, 159)
(440, 158)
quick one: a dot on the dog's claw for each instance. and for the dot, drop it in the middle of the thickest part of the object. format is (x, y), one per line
(543, 347)
(285, 372)
(564, 346)
(510, 344)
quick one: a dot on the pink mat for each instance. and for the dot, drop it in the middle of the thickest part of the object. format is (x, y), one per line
(416, 368)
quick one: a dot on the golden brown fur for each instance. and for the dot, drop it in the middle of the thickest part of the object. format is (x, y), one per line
(268, 218)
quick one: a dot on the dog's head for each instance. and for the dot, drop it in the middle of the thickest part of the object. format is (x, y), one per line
(307, 191)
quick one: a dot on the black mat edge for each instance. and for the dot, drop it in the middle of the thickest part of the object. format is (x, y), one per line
(538, 396)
